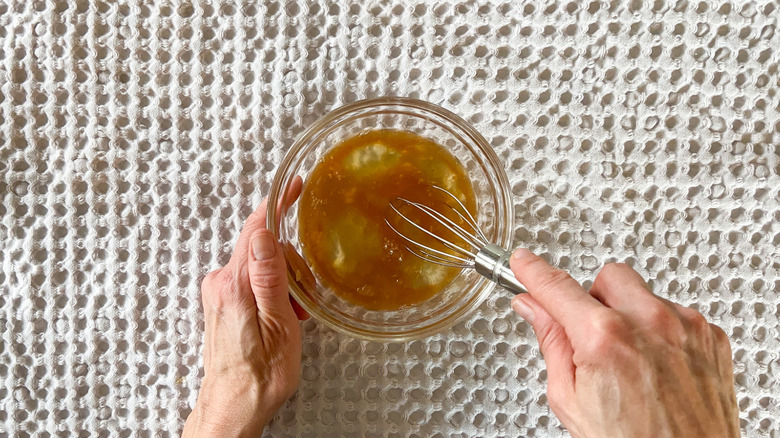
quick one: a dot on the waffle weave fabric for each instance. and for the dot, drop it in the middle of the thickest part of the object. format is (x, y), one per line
(137, 137)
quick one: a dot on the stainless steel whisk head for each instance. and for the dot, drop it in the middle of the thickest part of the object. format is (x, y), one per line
(472, 250)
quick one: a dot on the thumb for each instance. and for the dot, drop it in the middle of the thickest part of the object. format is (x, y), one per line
(268, 273)
(554, 345)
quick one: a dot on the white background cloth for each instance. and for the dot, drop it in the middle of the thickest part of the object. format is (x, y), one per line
(137, 137)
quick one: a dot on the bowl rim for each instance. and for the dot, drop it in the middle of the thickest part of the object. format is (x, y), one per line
(483, 286)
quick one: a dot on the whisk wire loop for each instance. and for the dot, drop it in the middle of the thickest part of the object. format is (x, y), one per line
(471, 221)
(487, 259)
(425, 255)
(427, 248)
(447, 223)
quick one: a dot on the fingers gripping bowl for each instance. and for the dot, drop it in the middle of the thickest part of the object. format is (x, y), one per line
(494, 216)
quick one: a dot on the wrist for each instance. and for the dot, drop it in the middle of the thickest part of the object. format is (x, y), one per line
(235, 409)
(203, 424)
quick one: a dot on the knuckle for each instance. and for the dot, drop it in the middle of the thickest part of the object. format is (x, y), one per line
(605, 275)
(256, 218)
(219, 286)
(268, 279)
(609, 271)
(612, 268)
(553, 279)
(548, 336)
(697, 321)
(720, 335)
(608, 324)
(659, 314)
(722, 343)
(664, 320)
(209, 280)
(609, 328)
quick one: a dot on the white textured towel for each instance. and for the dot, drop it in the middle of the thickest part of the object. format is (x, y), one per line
(137, 137)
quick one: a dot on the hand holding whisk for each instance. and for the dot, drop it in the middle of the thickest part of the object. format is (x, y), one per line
(460, 245)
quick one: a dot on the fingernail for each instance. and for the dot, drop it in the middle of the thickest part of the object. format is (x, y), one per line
(263, 246)
(521, 253)
(523, 310)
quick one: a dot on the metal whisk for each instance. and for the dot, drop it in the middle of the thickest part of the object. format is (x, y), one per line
(474, 251)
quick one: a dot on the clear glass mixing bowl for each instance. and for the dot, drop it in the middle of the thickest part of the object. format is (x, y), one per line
(494, 206)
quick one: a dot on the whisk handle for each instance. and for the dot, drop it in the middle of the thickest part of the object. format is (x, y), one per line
(492, 261)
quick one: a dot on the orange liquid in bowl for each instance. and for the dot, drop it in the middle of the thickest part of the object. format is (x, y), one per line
(342, 211)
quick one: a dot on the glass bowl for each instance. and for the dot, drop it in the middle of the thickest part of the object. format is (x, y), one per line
(494, 206)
